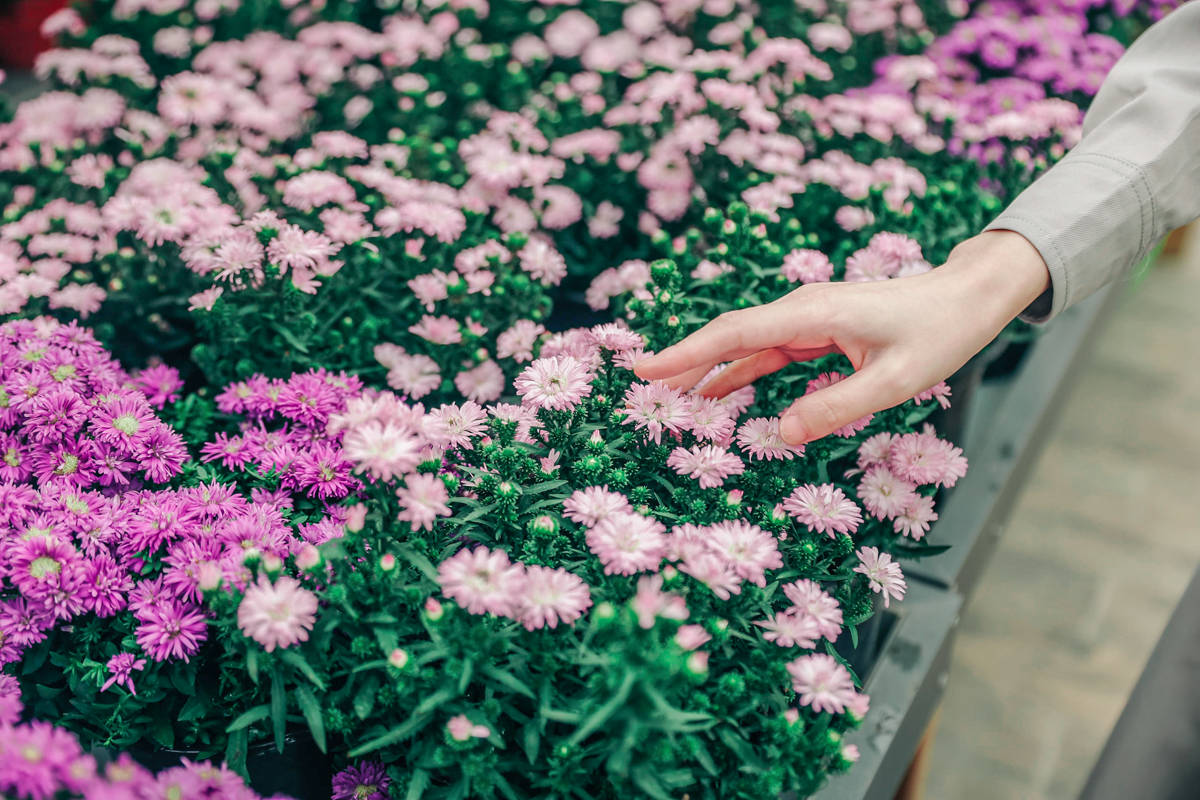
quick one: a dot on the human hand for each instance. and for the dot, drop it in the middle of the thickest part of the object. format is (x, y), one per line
(902, 335)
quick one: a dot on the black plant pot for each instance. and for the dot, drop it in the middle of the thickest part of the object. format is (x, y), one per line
(1008, 361)
(951, 422)
(301, 771)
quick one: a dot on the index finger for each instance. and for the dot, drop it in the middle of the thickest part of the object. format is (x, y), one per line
(734, 335)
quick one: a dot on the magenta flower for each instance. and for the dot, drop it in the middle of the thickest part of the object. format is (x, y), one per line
(120, 668)
(171, 630)
(367, 780)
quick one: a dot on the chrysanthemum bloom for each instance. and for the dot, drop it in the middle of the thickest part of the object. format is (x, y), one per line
(453, 424)
(591, 505)
(690, 637)
(824, 509)
(461, 729)
(483, 383)
(713, 570)
(809, 597)
(822, 683)
(519, 340)
(120, 668)
(422, 500)
(557, 383)
(712, 421)
(760, 438)
(628, 543)
(382, 450)
(792, 628)
(884, 494)
(657, 408)
(875, 450)
(883, 575)
(708, 464)
(367, 780)
(171, 629)
(807, 266)
(483, 581)
(651, 602)
(279, 614)
(551, 596)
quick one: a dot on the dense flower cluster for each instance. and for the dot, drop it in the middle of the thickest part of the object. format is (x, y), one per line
(382, 481)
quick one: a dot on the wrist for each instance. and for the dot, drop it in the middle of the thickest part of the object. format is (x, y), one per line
(1000, 272)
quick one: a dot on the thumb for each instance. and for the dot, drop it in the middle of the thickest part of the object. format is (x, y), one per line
(822, 412)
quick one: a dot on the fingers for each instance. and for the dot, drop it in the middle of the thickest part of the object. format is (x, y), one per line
(749, 369)
(824, 411)
(736, 334)
(686, 380)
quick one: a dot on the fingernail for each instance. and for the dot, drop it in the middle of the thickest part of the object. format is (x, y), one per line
(792, 429)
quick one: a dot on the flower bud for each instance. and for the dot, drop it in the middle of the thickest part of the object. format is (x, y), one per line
(308, 557)
(398, 658)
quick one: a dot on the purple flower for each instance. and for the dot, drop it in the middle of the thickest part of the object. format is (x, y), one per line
(366, 781)
(120, 668)
(171, 630)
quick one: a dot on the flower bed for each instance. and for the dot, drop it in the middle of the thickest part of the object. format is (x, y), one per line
(353, 488)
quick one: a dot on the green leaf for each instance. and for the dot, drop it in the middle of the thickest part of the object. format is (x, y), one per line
(247, 718)
(364, 699)
(278, 708)
(419, 561)
(530, 738)
(417, 784)
(311, 710)
(184, 684)
(194, 708)
(299, 662)
(396, 734)
(508, 679)
(235, 753)
(602, 714)
(645, 779)
(252, 662)
(434, 700)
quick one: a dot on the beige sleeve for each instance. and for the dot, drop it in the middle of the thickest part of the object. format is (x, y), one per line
(1133, 177)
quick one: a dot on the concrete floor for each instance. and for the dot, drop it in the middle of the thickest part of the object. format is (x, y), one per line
(1099, 550)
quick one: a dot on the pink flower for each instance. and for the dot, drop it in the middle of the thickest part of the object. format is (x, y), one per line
(822, 683)
(656, 408)
(792, 628)
(539, 258)
(556, 382)
(120, 668)
(461, 729)
(807, 266)
(415, 375)
(483, 383)
(748, 549)
(809, 597)
(592, 505)
(883, 575)
(824, 509)
(761, 439)
(915, 520)
(711, 420)
(483, 581)
(439, 330)
(422, 500)
(382, 449)
(651, 603)
(171, 630)
(551, 596)
(279, 614)
(690, 637)
(518, 341)
(884, 494)
(627, 543)
(924, 458)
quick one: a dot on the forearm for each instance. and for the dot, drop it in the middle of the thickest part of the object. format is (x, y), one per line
(1134, 176)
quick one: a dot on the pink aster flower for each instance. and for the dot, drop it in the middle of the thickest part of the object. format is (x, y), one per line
(875, 450)
(595, 503)
(822, 683)
(883, 574)
(711, 420)
(657, 408)
(483, 383)
(439, 330)
(807, 266)
(924, 458)
(708, 464)
(551, 596)
(690, 637)
(884, 494)
(748, 549)
(539, 258)
(295, 248)
(556, 382)
(518, 341)
(483, 581)
(382, 450)
(824, 509)
(120, 668)
(651, 603)
(414, 374)
(815, 602)
(792, 628)
(914, 521)
(711, 569)
(761, 439)
(422, 500)
(939, 392)
(279, 614)
(628, 543)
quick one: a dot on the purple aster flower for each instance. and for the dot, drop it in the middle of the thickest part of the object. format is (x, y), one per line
(323, 472)
(54, 415)
(106, 586)
(124, 420)
(366, 781)
(160, 384)
(161, 453)
(171, 630)
(120, 668)
(10, 700)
